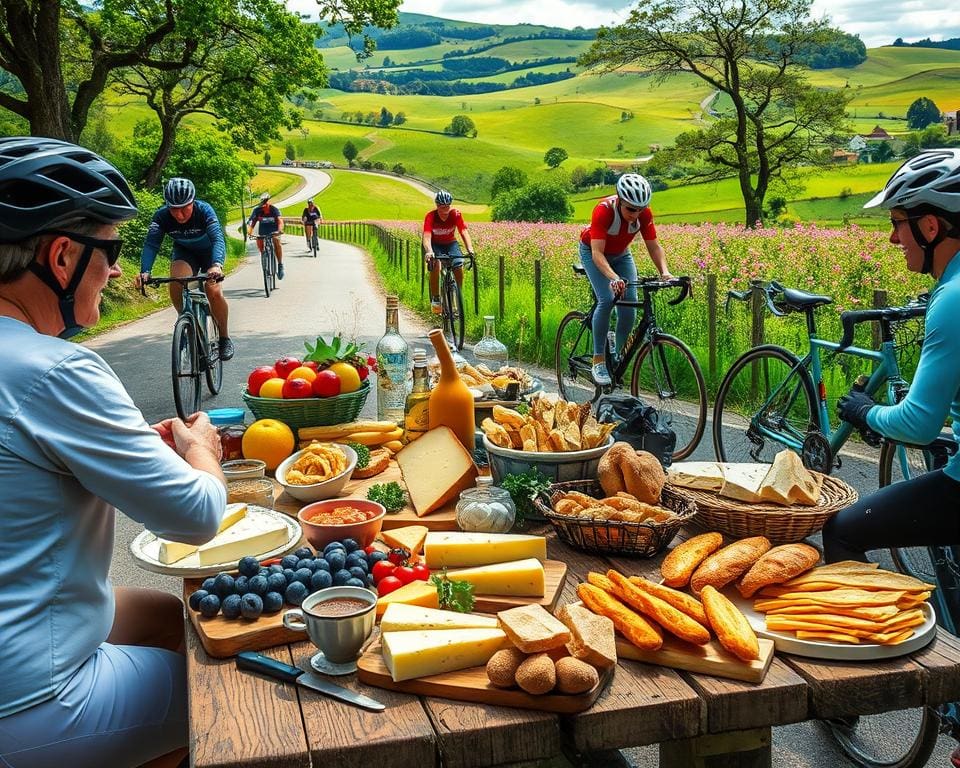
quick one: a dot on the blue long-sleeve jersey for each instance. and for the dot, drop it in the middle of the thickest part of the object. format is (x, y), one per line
(200, 234)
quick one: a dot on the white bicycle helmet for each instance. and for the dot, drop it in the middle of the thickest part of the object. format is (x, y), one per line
(443, 198)
(179, 192)
(931, 178)
(634, 190)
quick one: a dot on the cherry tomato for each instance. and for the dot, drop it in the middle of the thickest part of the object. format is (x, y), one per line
(271, 561)
(370, 550)
(388, 584)
(421, 572)
(405, 573)
(381, 568)
(398, 555)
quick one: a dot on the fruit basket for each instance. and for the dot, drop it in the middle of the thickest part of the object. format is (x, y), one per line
(310, 411)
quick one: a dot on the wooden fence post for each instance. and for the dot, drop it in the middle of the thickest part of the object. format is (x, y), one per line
(500, 278)
(758, 306)
(537, 300)
(406, 250)
(476, 288)
(712, 326)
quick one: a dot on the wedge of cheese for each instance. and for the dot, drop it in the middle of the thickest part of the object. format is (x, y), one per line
(409, 538)
(250, 536)
(699, 475)
(172, 551)
(742, 481)
(421, 593)
(431, 652)
(456, 550)
(521, 578)
(435, 467)
(401, 617)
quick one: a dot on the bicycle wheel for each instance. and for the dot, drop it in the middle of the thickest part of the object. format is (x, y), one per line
(186, 373)
(265, 266)
(453, 313)
(763, 400)
(573, 359)
(667, 376)
(273, 267)
(867, 739)
(214, 365)
(314, 243)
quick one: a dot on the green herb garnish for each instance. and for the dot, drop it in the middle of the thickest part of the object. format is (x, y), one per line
(523, 487)
(522, 408)
(453, 595)
(389, 494)
(363, 455)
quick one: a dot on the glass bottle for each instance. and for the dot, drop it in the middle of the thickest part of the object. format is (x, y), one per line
(490, 349)
(451, 401)
(393, 361)
(230, 427)
(486, 508)
(416, 412)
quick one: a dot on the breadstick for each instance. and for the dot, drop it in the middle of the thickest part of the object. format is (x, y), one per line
(674, 621)
(631, 625)
(347, 428)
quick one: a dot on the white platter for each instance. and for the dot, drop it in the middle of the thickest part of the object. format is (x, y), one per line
(787, 642)
(145, 549)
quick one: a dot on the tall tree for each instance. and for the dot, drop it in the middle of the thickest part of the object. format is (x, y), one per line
(922, 113)
(554, 156)
(746, 50)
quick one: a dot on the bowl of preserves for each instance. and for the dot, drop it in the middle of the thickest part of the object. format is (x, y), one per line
(339, 519)
(243, 469)
(317, 472)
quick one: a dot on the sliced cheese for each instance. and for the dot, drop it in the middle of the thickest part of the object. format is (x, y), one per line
(415, 593)
(172, 551)
(435, 467)
(402, 617)
(250, 536)
(431, 652)
(699, 475)
(742, 481)
(409, 538)
(521, 578)
(456, 550)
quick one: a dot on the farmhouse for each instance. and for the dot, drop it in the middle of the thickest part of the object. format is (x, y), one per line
(857, 143)
(877, 134)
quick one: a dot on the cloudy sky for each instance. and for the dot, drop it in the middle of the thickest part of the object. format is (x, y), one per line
(878, 22)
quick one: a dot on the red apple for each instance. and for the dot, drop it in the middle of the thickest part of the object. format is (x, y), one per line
(258, 376)
(285, 365)
(327, 384)
(294, 388)
(362, 372)
(311, 364)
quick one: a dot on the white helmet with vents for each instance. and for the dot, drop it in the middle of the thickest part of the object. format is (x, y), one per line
(634, 190)
(931, 178)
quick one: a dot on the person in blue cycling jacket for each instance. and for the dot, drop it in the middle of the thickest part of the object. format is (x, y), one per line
(93, 675)
(269, 222)
(923, 197)
(198, 246)
(310, 217)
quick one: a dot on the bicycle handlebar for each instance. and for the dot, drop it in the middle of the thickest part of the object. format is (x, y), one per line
(651, 284)
(851, 319)
(200, 277)
(772, 289)
(469, 258)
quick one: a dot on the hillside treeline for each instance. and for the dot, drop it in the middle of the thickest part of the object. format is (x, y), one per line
(953, 44)
(429, 85)
(836, 49)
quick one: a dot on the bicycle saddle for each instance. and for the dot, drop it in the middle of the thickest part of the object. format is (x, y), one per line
(802, 300)
(578, 269)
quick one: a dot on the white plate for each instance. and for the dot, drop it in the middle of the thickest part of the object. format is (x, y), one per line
(787, 642)
(145, 549)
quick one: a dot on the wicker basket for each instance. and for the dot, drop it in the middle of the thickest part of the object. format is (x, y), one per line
(615, 537)
(310, 411)
(778, 523)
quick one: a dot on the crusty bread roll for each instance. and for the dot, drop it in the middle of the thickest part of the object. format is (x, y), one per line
(683, 559)
(729, 563)
(778, 565)
(639, 473)
(730, 625)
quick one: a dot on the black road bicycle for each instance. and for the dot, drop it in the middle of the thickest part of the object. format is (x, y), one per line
(451, 299)
(268, 263)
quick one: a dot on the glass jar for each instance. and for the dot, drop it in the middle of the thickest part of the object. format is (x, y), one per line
(490, 349)
(486, 508)
(255, 491)
(230, 427)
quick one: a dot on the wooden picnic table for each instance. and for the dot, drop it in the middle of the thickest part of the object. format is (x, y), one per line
(243, 719)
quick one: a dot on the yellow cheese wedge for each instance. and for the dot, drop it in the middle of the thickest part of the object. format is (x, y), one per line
(435, 467)
(401, 617)
(431, 652)
(171, 551)
(248, 537)
(415, 593)
(522, 578)
(410, 538)
(461, 550)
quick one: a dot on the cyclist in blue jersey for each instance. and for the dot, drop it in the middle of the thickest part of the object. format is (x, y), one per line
(198, 246)
(270, 222)
(310, 217)
(923, 197)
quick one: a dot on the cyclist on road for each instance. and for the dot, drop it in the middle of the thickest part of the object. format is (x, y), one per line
(271, 225)
(310, 217)
(94, 675)
(923, 197)
(606, 257)
(440, 228)
(198, 246)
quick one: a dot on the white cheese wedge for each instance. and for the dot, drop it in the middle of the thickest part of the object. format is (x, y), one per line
(522, 578)
(435, 467)
(248, 537)
(172, 551)
(699, 475)
(431, 652)
(409, 537)
(409, 618)
(456, 549)
(742, 481)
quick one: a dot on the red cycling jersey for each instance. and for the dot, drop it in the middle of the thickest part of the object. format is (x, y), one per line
(444, 232)
(607, 224)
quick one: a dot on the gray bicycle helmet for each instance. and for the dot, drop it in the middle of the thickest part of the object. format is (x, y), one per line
(634, 190)
(443, 198)
(47, 184)
(179, 192)
(931, 178)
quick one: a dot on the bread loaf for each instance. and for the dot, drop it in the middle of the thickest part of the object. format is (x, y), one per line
(778, 565)
(729, 563)
(622, 469)
(532, 629)
(592, 636)
(730, 625)
(379, 461)
(680, 563)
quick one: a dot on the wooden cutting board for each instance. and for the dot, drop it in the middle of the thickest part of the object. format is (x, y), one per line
(472, 685)
(554, 576)
(710, 659)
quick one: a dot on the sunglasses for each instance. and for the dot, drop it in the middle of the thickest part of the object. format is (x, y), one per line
(110, 248)
(631, 209)
(895, 223)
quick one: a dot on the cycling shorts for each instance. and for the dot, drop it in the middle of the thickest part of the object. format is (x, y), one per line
(451, 250)
(199, 262)
(124, 706)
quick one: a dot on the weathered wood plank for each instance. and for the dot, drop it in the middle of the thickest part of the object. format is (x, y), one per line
(241, 719)
(941, 663)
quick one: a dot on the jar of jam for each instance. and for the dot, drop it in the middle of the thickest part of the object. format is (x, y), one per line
(230, 426)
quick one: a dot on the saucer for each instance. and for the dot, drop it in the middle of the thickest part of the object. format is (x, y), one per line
(324, 666)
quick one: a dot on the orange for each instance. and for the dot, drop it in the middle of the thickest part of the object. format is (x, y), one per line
(302, 373)
(269, 440)
(349, 378)
(272, 388)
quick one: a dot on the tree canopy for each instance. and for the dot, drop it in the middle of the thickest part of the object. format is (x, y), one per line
(505, 179)
(539, 201)
(461, 125)
(554, 156)
(922, 113)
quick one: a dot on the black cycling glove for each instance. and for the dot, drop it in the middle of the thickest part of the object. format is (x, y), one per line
(853, 408)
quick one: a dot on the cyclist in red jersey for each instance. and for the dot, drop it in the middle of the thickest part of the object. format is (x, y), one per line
(440, 229)
(605, 255)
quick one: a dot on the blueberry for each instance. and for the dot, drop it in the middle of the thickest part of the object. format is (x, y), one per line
(290, 561)
(263, 572)
(275, 568)
(210, 606)
(258, 586)
(306, 562)
(251, 606)
(375, 557)
(341, 577)
(241, 585)
(356, 558)
(357, 573)
(276, 582)
(321, 580)
(321, 565)
(332, 546)
(303, 574)
(290, 575)
(231, 606)
(196, 597)
(303, 552)
(224, 584)
(351, 545)
(369, 580)
(355, 583)
(272, 602)
(208, 584)
(296, 592)
(337, 560)
(249, 566)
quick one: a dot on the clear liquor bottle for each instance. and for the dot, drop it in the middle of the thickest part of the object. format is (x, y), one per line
(393, 367)
(490, 349)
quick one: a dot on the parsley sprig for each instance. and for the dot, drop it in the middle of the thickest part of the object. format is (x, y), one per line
(453, 595)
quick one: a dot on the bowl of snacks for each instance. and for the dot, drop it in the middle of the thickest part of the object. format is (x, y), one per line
(317, 472)
(339, 519)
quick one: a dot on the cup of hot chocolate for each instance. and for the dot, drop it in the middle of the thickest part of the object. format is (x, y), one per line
(338, 620)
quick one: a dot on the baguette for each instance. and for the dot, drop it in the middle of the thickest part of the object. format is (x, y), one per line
(373, 437)
(674, 621)
(679, 600)
(733, 630)
(347, 428)
(630, 624)
(778, 565)
(680, 563)
(729, 563)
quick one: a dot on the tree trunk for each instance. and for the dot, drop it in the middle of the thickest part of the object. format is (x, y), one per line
(168, 133)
